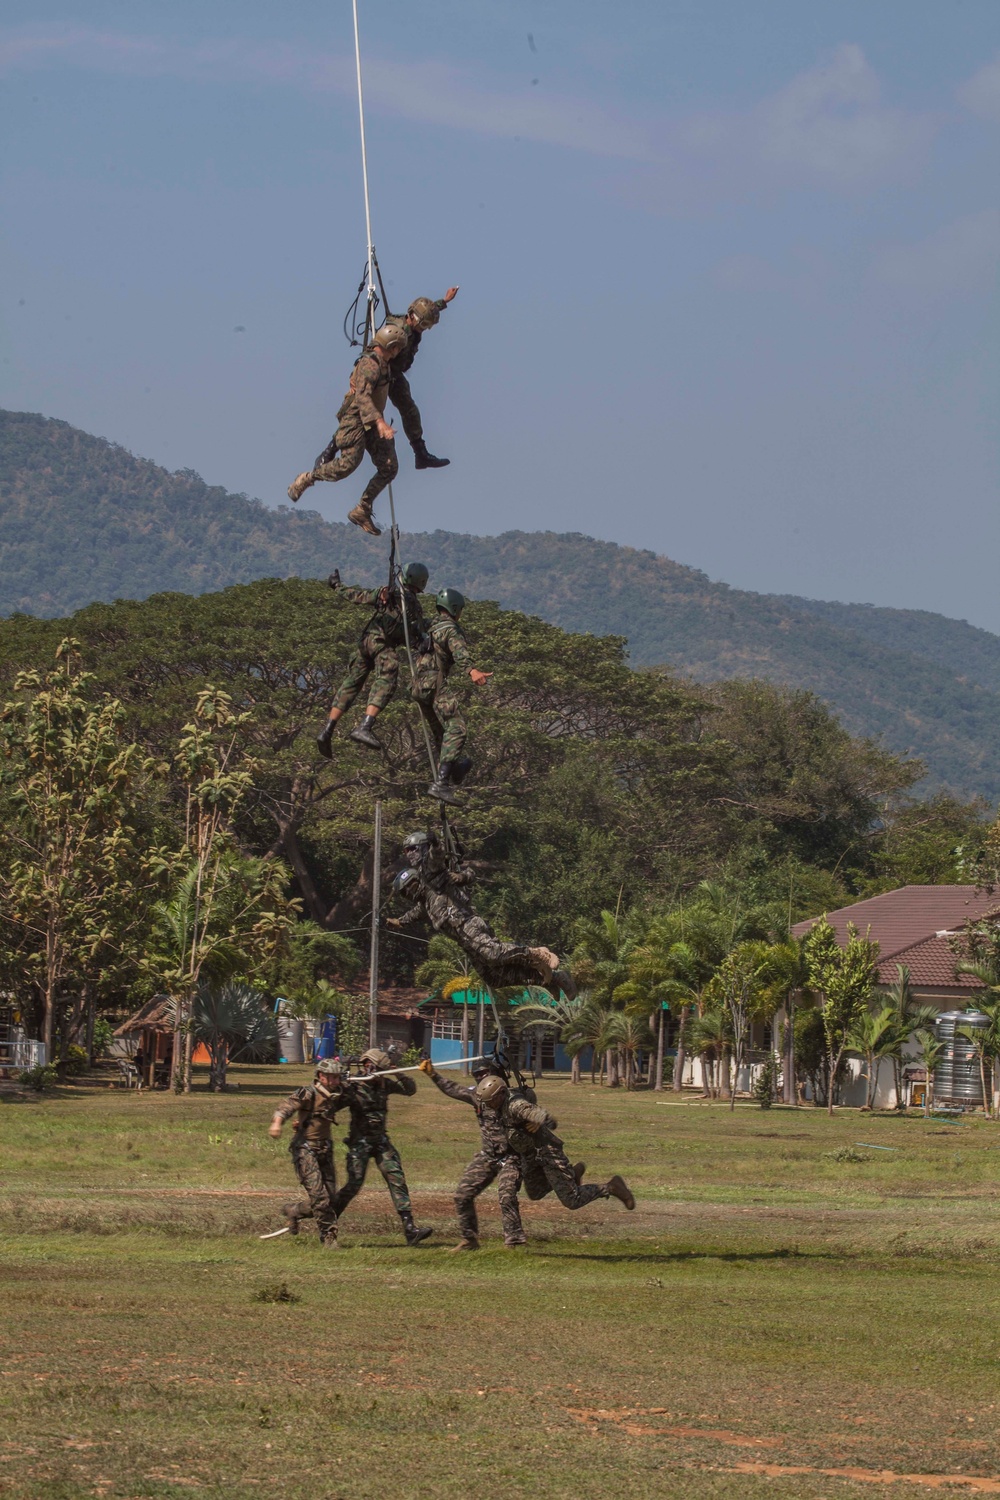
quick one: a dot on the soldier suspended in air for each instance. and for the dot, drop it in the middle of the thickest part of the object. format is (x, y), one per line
(377, 655)
(545, 1167)
(362, 426)
(442, 705)
(368, 1138)
(494, 1161)
(421, 315)
(436, 889)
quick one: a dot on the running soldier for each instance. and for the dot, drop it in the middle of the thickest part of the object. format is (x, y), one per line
(377, 656)
(438, 896)
(369, 1138)
(312, 1148)
(443, 709)
(422, 314)
(545, 1166)
(493, 1162)
(362, 426)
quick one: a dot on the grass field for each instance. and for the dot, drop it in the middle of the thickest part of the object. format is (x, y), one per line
(776, 1318)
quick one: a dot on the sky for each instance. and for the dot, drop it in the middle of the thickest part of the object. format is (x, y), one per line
(729, 271)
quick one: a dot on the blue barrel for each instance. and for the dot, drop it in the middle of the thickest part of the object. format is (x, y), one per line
(325, 1045)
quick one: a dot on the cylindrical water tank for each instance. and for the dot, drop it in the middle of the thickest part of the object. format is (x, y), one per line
(958, 1077)
(290, 1040)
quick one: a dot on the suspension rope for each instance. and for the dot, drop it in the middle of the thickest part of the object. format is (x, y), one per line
(370, 267)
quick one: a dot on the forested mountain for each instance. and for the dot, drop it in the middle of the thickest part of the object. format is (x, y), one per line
(82, 519)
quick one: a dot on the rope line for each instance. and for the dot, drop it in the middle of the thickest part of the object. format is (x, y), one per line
(370, 268)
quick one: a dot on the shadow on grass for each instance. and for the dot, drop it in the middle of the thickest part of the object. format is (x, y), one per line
(668, 1257)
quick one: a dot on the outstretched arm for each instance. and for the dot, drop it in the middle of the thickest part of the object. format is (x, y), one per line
(454, 1090)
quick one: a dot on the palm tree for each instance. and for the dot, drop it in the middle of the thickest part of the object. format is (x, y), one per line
(710, 1042)
(233, 1021)
(908, 1017)
(874, 1037)
(929, 1050)
(563, 1016)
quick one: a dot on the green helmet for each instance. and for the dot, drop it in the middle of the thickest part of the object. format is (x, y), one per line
(330, 1066)
(452, 601)
(424, 311)
(491, 1091)
(375, 1055)
(416, 575)
(419, 839)
(390, 336)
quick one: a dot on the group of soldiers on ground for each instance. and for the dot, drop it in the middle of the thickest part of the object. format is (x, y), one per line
(518, 1147)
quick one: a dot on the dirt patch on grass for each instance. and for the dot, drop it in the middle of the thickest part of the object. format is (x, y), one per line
(626, 1420)
(973, 1483)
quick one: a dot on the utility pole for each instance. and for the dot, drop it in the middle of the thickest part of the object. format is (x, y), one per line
(376, 904)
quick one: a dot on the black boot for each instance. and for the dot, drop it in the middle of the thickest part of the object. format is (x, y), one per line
(329, 453)
(324, 740)
(441, 787)
(561, 982)
(425, 460)
(414, 1235)
(363, 733)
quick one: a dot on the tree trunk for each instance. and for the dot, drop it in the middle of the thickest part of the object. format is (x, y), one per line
(658, 1080)
(574, 1068)
(982, 1075)
(90, 1030)
(465, 1035)
(832, 1067)
(481, 1025)
(350, 909)
(287, 844)
(681, 1058)
(188, 1054)
(788, 1055)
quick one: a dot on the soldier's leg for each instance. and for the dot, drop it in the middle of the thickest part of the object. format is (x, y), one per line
(358, 672)
(388, 1161)
(425, 703)
(508, 1183)
(383, 456)
(315, 1170)
(350, 440)
(358, 1156)
(453, 735)
(385, 680)
(402, 399)
(480, 1172)
(536, 1184)
(562, 1179)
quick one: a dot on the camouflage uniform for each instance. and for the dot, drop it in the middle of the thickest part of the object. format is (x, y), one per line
(545, 1167)
(368, 1138)
(312, 1151)
(443, 709)
(377, 655)
(448, 909)
(493, 1160)
(399, 386)
(362, 407)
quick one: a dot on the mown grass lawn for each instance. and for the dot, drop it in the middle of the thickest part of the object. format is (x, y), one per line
(772, 1320)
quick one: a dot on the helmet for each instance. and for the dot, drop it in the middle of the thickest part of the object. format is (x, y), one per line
(404, 881)
(378, 1057)
(416, 575)
(452, 601)
(390, 336)
(481, 1069)
(419, 839)
(491, 1091)
(330, 1066)
(423, 309)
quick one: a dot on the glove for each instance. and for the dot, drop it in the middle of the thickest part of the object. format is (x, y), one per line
(333, 581)
(392, 922)
(426, 1066)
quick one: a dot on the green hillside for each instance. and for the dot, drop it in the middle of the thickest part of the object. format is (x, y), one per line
(81, 519)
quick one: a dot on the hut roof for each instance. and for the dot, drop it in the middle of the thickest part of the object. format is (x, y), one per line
(152, 1016)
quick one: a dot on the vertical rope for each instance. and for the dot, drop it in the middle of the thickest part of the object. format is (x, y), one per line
(372, 295)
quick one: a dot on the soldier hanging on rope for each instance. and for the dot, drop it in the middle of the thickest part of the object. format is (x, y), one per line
(435, 887)
(368, 1138)
(422, 314)
(377, 655)
(544, 1164)
(494, 1161)
(315, 1108)
(442, 706)
(362, 426)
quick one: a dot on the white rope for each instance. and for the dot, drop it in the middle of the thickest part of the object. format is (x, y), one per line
(370, 315)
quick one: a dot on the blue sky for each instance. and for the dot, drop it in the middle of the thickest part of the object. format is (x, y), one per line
(729, 272)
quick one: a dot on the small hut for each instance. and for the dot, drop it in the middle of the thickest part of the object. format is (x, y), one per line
(151, 1033)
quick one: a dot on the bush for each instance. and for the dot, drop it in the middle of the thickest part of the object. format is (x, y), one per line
(74, 1063)
(410, 1057)
(42, 1079)
(104, 1035)
(278, 1292)
(766, 1084)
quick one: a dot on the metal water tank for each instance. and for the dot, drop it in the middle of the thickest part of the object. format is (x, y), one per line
(957, 1077)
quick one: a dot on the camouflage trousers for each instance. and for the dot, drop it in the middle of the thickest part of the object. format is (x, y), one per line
(483, 1169)
(352, 439)
(402, 399)
(359, 1154)
(547, 1170)
(444, 715)
(499, 963)
(381, 665)
(314, 1167)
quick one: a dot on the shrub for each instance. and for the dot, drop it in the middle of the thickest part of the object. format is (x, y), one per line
(42, 1079)
(766, 1084)
(104, 1035)
(74, 1063)
(279, 1292)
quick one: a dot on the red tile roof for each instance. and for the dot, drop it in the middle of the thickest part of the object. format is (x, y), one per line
(908, 925)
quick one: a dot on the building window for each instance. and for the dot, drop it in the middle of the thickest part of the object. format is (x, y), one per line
(447, 1029)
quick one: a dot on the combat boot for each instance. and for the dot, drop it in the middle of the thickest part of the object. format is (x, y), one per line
(469, 1243)
(514, 1241)
(547, 961)
(618, 1188)
(363, 733)
(425, 460)
(324, 740)
(330, 1241)
(578, 1171)
(298, 486)
(441, 787)
(460, 769)
(291, 1213)
(561, 981)
(361, 516)
(414, 1235)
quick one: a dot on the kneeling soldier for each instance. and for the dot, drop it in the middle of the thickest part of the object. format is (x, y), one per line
(545, 1165)
(369, 1137)
(312, 1148)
